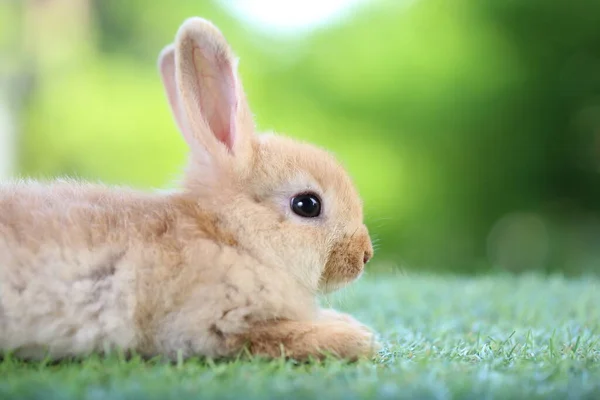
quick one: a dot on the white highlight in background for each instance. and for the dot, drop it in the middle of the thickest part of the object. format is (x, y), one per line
(291, 16)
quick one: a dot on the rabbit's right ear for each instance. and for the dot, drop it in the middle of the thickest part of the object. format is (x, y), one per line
(206, 95)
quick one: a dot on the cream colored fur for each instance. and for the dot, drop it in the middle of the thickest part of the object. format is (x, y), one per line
(221, 264)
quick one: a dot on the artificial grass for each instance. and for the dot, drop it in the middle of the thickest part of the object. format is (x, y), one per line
(445, 337)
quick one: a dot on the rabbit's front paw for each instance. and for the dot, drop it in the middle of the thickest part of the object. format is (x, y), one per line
(352, 340)
(361, 332)
(304, 339)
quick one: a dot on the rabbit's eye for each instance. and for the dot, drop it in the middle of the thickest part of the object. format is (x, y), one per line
(306, 205)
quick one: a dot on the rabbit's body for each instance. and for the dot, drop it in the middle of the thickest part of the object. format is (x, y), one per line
(63, 282)
(235, 258)
(115, 268)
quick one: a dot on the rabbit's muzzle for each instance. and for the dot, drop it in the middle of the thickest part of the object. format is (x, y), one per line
(347, 260)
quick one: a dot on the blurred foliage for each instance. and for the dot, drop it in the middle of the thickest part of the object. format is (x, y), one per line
(471, 127)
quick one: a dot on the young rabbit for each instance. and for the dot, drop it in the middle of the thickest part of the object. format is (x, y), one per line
(236, 258)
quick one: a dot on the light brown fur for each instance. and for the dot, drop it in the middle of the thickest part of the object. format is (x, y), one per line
(220, 264)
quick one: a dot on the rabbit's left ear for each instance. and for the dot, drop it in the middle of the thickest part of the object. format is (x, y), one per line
(206, 95)
(166, 65)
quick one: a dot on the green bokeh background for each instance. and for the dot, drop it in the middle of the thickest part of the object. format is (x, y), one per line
(471, 127)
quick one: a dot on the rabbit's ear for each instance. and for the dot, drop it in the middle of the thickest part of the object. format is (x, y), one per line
(207, 97)
(166, 65)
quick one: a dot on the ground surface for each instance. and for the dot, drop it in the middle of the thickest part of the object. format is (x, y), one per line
(494, 337)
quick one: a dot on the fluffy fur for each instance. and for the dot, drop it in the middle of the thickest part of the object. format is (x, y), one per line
(221, 264)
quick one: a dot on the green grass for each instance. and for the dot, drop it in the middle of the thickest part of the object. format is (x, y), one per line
(446, 337)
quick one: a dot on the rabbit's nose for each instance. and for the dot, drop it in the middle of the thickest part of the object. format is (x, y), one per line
(367, 256)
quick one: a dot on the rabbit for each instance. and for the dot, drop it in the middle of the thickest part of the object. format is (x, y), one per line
(231, 261)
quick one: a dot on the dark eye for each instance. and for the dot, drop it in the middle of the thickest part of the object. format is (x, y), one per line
(306, 205)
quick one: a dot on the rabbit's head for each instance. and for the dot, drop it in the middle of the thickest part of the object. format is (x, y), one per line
(289, 204)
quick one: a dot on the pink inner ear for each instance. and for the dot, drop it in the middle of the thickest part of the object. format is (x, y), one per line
(217, 97)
